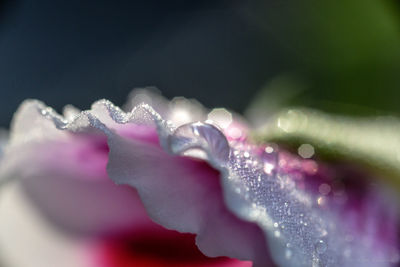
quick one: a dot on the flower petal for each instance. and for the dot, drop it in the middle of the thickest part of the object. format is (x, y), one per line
(298, 230)
(246, 200)
(185, 195)
(64, 173)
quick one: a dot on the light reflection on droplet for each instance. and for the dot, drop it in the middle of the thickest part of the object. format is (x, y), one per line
(291, 121)
(234, 133)
(323, 233)
(220, 116)
(324, 189)
(310, 167)
(277, 233)
(282, 163)
(269, 149)
(268, 168)
(180, 116)
(321, 201)
(142, 98)
(306, 151)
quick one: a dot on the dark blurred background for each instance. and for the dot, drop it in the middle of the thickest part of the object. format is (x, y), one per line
(77, 52)
(341, 56)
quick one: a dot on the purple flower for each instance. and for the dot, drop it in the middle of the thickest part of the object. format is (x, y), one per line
(242, 200)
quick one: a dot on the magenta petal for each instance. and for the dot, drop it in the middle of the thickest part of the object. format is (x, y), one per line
(65, 175)
(248, 200)
(299, 231)
(185, 195)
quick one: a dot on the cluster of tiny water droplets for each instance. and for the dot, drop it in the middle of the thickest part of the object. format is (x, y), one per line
(275, 204)
(298, 231)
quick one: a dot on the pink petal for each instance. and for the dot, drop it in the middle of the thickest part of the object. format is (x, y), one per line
(249, 200)
(185, 195)
(65, 175)
(298, 230)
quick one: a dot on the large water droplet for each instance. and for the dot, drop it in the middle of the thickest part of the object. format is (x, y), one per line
(200, 136)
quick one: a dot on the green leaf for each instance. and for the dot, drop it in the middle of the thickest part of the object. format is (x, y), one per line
(373, 141)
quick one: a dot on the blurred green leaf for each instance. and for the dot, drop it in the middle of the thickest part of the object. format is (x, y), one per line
(373, 141)
(348, 51)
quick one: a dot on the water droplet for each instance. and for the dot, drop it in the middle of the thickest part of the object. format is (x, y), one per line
(277, 233)
(268, 168)
(324, 189)
(289, 212)
(320, 246)
(180, 116)
(321, 201)
(269, 149)
(289, 184)
(323, 233)
(234, 133)
(306, 151)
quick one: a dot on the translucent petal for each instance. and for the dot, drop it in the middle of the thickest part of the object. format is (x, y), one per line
(239, 206)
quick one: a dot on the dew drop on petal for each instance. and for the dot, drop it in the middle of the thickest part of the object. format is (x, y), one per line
(324, 189)
(180, 116)
(277, 233)
(268, 167)
(320, 246)
(234, 133)
(321, 201)
(269, 149)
